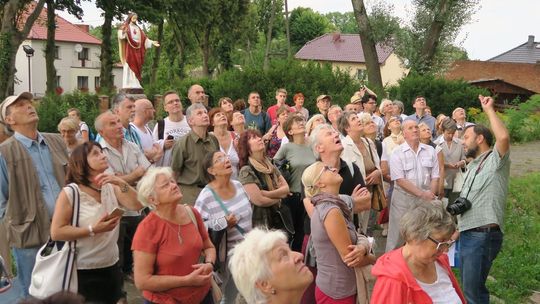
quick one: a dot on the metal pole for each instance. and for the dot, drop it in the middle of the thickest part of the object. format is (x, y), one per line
(29, 78)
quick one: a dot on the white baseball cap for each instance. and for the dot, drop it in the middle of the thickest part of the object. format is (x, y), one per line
(11, 100)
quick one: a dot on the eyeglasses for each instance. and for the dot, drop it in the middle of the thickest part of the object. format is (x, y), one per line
(221, 159)
(442, 246)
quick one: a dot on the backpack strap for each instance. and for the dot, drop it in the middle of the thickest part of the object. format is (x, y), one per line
(161, 128)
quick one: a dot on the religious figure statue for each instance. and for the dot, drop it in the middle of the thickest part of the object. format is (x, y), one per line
(133, 44)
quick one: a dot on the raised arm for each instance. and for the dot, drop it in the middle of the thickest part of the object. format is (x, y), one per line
(502, 138)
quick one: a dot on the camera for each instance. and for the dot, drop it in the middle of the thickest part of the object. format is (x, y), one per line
(459, 206)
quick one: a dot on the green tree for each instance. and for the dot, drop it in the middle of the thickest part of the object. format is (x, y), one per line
(13, 32)
(307, 25)
(343, 22)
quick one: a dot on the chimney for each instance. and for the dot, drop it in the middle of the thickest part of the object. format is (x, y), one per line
(86, 28)
(336, 37)
(530, 41)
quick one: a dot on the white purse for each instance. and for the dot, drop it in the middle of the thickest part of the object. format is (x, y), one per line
(55, 269)
(459, 179)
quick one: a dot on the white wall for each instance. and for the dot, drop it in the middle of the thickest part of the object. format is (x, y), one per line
(68, 67)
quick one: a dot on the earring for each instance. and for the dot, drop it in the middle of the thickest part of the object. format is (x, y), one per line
(273, 291)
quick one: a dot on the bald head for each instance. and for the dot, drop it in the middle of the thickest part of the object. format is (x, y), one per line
(196, 94)
(144, 110)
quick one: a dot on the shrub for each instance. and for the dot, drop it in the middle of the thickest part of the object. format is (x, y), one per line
(523, 122)
(51, 109)
(442, 95)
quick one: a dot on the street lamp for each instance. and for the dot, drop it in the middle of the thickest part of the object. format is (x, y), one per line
(29, 53)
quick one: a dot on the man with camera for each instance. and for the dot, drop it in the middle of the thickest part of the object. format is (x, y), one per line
(482, 202)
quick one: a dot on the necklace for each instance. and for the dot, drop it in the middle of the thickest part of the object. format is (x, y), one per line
(94, 188)
(180, 240)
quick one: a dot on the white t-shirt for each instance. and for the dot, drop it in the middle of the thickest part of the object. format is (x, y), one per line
(147, 140)
(177, 130)
(82, 127)
(441, 291)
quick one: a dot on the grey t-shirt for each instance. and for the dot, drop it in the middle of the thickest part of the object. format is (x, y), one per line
(334, 277)
(300, 157)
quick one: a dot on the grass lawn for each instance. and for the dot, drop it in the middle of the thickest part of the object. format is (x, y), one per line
(517, 267)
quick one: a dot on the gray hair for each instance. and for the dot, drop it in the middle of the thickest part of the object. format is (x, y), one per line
(425, 219)
(4, 128)
(314, 138)
(145, 187)
(383, 104)
(343, 122)
(249, 262)
(365, 118)
(448, 124)
(98, 123)
(400, 105)
(193, 107)
(118, 99)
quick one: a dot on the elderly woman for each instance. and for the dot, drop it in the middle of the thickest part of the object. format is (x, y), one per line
(299, 155)
(219, 127)
(266, 271)
(83, 132)
(361, 151)
(370, 131)
(313, 122)
(275, 137)
(263, 182)
(419, 272)
(453, 155)
(333, 235)
(68, 128)
(238, 125)
(99, 277)
(226, 105)
(168, 244)
(386, 108)
(224, 204)
(399, 108)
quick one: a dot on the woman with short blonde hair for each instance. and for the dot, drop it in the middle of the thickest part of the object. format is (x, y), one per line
(68, 129)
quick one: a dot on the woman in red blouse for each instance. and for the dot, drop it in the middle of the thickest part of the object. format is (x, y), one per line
(167, 245)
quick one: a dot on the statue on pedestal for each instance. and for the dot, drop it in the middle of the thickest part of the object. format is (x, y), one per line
(133, 44)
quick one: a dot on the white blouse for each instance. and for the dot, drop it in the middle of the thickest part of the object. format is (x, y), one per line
(101, 250)
(441, 291)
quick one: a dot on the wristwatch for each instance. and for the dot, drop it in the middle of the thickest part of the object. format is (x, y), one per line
(91, 230)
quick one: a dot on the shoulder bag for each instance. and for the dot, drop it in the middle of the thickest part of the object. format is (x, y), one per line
(55, 269)
(378, 198)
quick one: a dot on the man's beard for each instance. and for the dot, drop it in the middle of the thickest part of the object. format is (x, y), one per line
(472, 152)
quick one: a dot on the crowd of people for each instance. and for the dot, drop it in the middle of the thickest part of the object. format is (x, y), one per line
(275, 206)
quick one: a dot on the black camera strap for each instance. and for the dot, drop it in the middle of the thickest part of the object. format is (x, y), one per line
(476, 173)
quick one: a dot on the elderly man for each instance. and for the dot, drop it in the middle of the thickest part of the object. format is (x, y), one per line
(323, 104)
(255, 117)
(196, 94)
(355, 104)
(486, 187)
(461, 120)
(415, 170)
(334, 113)
(170, 129)
(420, 115)
(128, 162)
(144, 112)
(189, 152)
(32, 173)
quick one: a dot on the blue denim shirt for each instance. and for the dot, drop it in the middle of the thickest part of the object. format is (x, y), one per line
(41, 156)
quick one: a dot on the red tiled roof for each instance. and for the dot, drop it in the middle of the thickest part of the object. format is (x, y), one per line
(348, 48)
(525, 75)
(65, 31)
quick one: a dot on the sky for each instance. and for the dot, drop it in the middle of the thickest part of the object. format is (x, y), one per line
(497, 26)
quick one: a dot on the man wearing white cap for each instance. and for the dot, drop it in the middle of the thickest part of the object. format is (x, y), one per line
(32, 171)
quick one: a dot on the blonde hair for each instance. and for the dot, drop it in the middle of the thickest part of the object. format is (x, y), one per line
(309, 124)
(145, 187)
(310, 177)
(383, 104)
(364, 118)
(249, 262)
(68, 123)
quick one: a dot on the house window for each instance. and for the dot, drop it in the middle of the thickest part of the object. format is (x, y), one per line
(83, 55)
(96, 82)
(361, 74)
(82, 83)
(58, 81)
(56, 52)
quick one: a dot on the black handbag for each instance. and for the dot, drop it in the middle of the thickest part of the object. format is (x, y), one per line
(284, 167)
